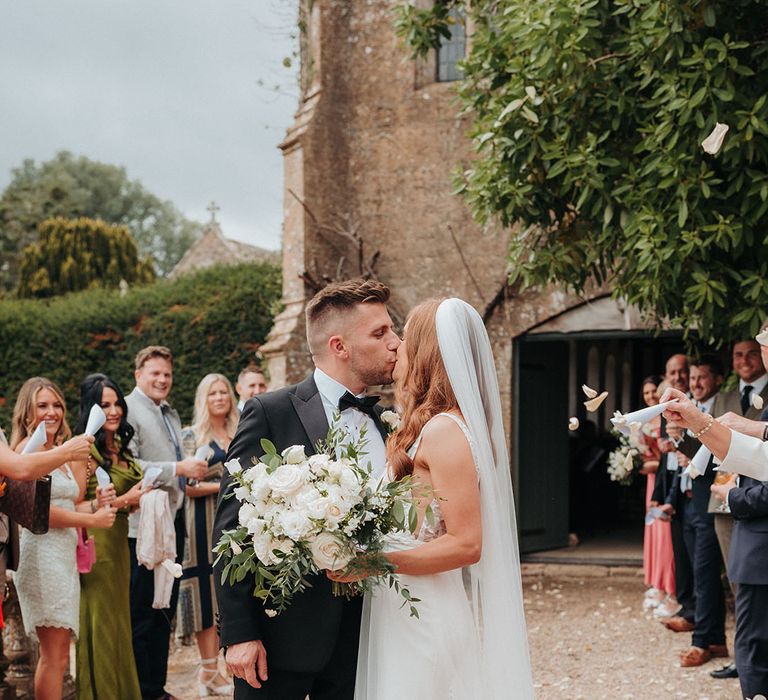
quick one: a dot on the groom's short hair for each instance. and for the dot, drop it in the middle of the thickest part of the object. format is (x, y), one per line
(334, 300)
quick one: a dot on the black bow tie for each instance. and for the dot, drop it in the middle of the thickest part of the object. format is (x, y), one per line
(364, 404)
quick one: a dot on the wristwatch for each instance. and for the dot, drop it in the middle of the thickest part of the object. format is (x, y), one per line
(765, 432)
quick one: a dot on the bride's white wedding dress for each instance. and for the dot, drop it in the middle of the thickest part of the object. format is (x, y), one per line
(470, 640)
(434, 656)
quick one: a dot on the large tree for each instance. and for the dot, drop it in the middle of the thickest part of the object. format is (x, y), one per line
(588, 117)
(77, 254)
(72, 187)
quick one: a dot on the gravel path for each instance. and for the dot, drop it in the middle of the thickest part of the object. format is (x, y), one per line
(589, 640)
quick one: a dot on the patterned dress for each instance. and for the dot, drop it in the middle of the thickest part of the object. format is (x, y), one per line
(197, 603)
(46, 579)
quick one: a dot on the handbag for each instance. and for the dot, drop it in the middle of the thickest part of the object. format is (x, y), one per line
(28, 503)
(86, 551)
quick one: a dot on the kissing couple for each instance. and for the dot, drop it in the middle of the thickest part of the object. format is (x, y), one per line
(469, 641)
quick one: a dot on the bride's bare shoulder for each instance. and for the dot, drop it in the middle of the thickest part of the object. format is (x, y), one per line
(443, 436)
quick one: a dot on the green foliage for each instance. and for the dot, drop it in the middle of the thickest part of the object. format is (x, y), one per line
(588, 119)
(73, 187)
(72, 255)
(213, 321)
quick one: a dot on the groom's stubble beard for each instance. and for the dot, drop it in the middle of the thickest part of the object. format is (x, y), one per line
(372, 375)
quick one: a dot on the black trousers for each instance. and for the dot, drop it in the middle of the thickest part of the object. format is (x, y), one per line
(334, 682)
(151, 627)
(752, 638)
(704, 552)
(683, 570)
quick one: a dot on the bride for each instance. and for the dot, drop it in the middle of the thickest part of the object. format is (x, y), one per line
(469, 641)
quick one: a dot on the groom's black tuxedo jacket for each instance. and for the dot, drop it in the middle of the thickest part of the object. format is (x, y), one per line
(317, 625)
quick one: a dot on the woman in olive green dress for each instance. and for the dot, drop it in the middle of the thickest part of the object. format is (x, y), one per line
(105, 662)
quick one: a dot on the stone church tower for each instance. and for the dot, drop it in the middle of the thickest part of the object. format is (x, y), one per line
(368, 190)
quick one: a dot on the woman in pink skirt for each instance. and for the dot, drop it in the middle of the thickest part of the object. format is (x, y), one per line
(658, 562)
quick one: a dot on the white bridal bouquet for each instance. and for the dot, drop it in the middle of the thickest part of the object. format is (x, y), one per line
(302, 515)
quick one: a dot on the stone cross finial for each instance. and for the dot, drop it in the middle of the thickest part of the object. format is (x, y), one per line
(213, 208)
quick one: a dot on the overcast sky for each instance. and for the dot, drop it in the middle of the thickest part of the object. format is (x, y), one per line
(181, 93)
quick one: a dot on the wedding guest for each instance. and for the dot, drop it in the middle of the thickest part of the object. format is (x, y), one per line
(708, 639)
(753, 381)
(105, 663)
(214, 424)
(677, 617)
(658, 560)
(156, 443)
(748, 456)
(250, 382)
(46, 579)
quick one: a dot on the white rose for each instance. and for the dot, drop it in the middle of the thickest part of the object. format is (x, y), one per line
(329, 553)
(390, 419)
(242, 493)
(255, 526)
(294, 454)
(294, 524)
(313, 503)
(318, 463)
(286, 480)
(349, 482)
(255, 473)
(233, 466)
(246, 512)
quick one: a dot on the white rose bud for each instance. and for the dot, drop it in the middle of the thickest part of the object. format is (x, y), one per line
(235, 547)
(329, 553)
(294, 454)
(233, 466)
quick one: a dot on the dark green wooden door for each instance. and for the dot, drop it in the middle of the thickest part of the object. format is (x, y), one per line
(541, 419)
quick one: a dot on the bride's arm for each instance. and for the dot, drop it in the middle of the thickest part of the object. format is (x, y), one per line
(444, 450)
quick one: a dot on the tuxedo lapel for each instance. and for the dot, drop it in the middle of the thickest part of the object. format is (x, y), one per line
(377, 411)
(309, 408)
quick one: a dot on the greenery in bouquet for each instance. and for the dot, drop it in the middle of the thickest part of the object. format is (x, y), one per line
(301, 515)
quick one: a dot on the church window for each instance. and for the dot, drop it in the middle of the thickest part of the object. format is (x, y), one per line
(451, 49)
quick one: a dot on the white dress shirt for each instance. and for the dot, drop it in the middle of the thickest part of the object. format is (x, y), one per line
(353, 420)
(757, 386)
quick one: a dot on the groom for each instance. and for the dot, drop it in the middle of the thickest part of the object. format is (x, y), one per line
(311, 647)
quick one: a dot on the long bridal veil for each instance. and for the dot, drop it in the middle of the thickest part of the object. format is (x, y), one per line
(497, 597)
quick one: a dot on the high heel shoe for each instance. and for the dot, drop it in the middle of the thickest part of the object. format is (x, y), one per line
(207, 678)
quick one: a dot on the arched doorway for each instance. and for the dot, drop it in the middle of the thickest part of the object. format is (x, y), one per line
(562, 483)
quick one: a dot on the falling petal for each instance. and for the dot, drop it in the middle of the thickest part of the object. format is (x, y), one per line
(594, 404)
(588, 392)
(573, 423)
(762, 337)
(714, 142)
(629, 462)
(269, 612)
(757, 401)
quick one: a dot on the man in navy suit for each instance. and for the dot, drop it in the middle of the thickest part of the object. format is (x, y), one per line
(690, 499)
(748, 568)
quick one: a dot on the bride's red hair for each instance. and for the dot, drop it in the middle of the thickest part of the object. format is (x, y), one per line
(424, 391)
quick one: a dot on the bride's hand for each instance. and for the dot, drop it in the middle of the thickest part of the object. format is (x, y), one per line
(344, 577)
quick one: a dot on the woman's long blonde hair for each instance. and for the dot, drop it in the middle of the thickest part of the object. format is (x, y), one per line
(424, 391)
(201, 419)
(24, 419)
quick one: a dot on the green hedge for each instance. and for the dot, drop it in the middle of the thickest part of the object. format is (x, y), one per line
(213, 321)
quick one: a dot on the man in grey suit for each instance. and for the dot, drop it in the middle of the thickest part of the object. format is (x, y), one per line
(156, 443)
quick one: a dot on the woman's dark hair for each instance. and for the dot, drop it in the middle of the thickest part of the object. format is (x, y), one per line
(654, 379)
(91, 391)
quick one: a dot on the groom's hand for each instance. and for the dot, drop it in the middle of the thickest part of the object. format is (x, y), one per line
(248, 660)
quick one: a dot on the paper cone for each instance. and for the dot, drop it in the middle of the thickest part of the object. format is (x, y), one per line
(699, 463)
(622, 422)
(202, 452)
(102, 477)
(96, 419)
(36, 440)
